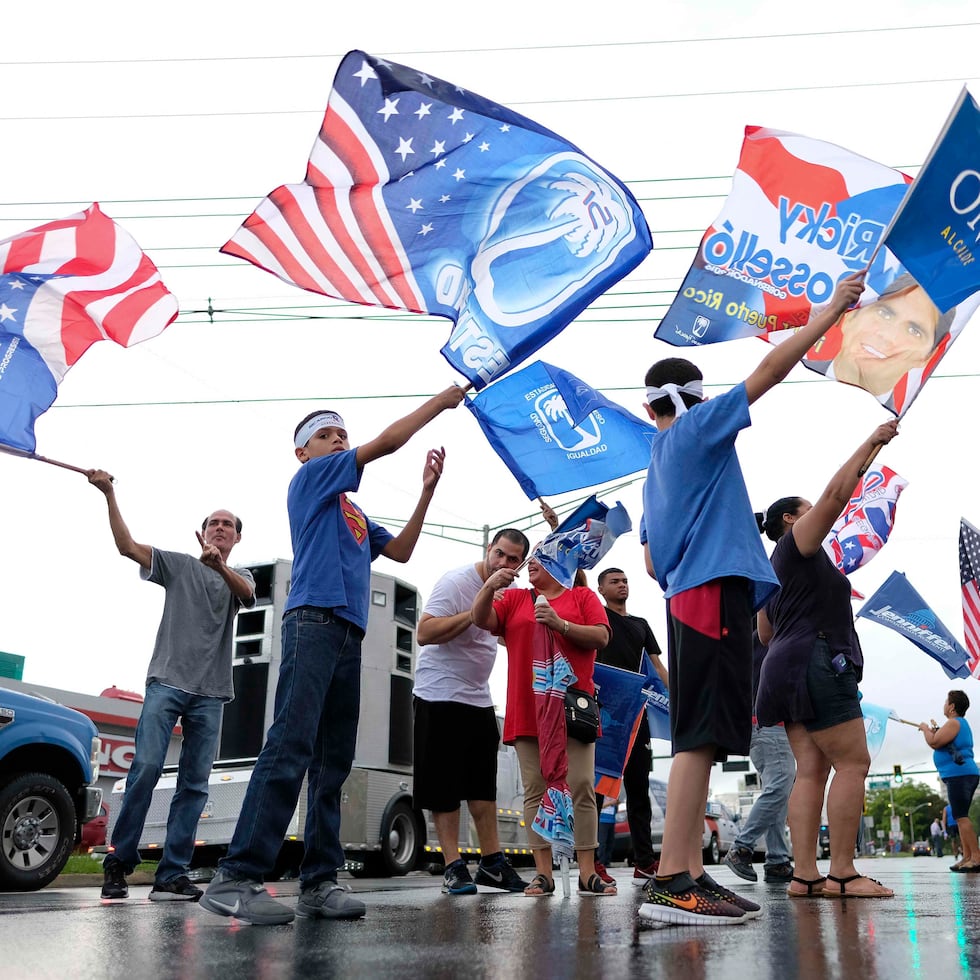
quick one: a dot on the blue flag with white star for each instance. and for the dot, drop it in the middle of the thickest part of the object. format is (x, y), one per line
(422, 196)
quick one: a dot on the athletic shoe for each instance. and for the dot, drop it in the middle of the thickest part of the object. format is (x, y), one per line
(739, 860)
(782, 873)
(244, 899)
(676, 900)
(114, 880)
(600, 870)
(498, 872)
(457, 880)
(328, 900)
(751, 909)
(643, 873)
(178, 889)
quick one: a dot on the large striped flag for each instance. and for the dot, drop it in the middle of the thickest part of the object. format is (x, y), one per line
(422, 196)
(63, 286)
(970, 582)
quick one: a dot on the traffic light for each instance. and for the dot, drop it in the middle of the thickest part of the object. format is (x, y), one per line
(897, 773)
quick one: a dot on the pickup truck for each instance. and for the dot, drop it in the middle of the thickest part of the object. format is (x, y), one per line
(49, 763)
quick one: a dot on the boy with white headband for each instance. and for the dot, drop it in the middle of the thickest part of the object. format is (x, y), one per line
(703, 547)
(318, 695)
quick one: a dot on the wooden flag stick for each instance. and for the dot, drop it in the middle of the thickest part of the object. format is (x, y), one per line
(41, 459)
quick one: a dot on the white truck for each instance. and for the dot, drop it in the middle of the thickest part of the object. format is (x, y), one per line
(381, 830)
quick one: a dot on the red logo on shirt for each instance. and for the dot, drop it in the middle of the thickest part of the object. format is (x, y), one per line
(356, 521)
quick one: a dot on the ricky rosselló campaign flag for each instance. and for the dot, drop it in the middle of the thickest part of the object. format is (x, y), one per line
(866, 522)
(63, 286)
(422, 196)
(899, 607)
(935, 232)
(622, 702)
(581, 540)
(555, 433)
(801, 215)
(970, 587)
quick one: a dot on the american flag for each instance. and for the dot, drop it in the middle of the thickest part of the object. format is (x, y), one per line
(969, 575)
(63, 286)
(422, 196)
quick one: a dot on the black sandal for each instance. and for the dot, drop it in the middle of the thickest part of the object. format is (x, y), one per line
(810, 885)
(595, 886)
(546, 884)
(842, 882)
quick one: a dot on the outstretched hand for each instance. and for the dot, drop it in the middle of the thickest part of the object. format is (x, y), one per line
(101, 479)
(548, 513)
(885, 433)
(433, 468)
(451, 397)
(848, 291)
(210, 555)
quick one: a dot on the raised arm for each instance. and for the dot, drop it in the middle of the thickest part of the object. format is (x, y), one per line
(812, 527)
(398, 433)
(780, 360)
(142, 554)
(400, 547)
(240, 587)
(936, 738)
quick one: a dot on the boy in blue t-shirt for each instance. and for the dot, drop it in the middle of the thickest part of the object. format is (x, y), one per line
(318, 694)
(703, 547)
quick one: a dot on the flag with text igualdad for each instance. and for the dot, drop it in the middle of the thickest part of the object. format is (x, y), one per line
(420, 195)
(63, 286)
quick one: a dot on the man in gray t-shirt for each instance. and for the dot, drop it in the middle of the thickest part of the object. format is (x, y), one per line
(189, 678)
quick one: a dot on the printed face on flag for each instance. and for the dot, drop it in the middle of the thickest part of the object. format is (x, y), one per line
(803, 214)
(422, 196)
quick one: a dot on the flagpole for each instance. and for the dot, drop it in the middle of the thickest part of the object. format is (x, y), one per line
(41, 459)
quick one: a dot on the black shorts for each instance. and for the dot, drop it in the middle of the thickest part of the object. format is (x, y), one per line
(960, 790)
(833, 693)
(455, 754)
(709, 667)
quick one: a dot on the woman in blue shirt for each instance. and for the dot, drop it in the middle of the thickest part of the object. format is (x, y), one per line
(952, 746)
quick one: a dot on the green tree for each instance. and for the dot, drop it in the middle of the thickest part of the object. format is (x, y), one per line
(912, 797)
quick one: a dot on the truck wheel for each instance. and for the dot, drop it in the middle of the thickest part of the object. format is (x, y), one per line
(400, 840)
(37, 831)
(712, 853)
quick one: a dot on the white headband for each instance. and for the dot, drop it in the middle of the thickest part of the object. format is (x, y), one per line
(674, 392)
(319, 421)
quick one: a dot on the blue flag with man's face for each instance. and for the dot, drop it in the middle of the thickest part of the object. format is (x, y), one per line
(556, 434)
(422, 196)
(899, 607)
(935, 231)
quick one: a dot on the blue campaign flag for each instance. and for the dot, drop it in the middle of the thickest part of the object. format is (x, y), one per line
(934, 232)
(556, 434)
(899, 607)
(422, 196)
(581, 539)
(621, 699)
(875, 722)
(658, 704)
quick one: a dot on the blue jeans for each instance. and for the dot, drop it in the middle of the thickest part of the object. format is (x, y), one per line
(773, 758)
(200, 720)
(314, 733)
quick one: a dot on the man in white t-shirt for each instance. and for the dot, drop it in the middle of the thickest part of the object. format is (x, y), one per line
(456, 734)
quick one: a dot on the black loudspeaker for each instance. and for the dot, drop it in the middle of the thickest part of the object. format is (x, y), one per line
(400, 751)
(243, 722)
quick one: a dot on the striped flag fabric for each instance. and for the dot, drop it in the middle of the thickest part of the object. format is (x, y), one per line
(424, 197)
(970, 584)
(63, 286)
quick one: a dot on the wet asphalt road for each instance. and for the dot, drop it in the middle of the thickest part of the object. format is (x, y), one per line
(931, 929)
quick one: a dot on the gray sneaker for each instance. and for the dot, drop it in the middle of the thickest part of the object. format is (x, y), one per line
(739, 860)
(328, 900)
(244, 899)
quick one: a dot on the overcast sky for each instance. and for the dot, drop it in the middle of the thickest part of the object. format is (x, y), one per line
(179, 125)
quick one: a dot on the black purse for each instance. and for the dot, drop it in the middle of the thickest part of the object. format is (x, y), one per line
(581, 716)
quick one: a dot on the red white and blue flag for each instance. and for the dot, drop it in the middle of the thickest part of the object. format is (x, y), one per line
(801, 215)
(63, 286)
(422, 196)
(970, 585)
(866, 522)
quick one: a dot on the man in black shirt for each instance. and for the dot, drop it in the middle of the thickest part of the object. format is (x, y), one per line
(631, 637)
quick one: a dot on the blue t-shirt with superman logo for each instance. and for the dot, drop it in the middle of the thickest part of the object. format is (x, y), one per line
(334, 543)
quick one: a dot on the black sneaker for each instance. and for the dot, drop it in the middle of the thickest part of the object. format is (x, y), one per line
(751, 909)
(498, 872)
(781, 873)
(677, 900)
(457, 880)
(178, 889)
(114, 883)
(739, 860)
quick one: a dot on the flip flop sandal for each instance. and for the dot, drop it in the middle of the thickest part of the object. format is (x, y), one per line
(841, 882)
(810, 886)
(595, 886)
(542, 882)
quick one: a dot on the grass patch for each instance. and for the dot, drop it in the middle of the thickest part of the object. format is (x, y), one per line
(86, 864)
